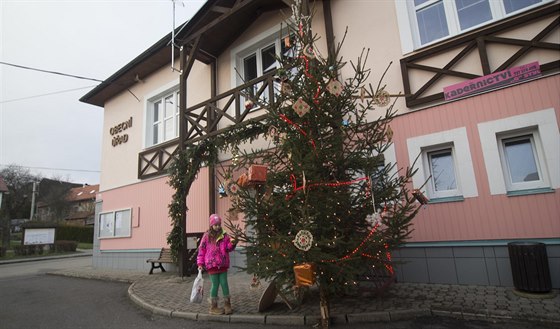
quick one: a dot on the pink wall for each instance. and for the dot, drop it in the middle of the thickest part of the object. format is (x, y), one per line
(486, 216)
(150, 219)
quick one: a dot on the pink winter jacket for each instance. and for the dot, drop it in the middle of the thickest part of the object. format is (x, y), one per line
(215, 256)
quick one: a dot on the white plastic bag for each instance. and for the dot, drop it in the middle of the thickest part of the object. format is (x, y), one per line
(197, 292)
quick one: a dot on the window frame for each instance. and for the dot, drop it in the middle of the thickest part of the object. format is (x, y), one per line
(427, 152)
(160, 97)
(538, 156)
(113, 218)
(418, 146)
(254, 49)
(409, 28)
(543, 121)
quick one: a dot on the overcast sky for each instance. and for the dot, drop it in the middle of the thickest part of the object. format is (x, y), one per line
(56, 135)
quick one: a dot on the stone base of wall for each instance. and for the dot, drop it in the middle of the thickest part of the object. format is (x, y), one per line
(470, 265)
(132, 260)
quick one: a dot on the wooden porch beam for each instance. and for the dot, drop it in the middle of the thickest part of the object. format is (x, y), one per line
(238, 6)
(533, 43)
(329, 28)
(220, 9)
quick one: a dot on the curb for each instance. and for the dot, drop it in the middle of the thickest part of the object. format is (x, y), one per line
(348, 318)
(351, 318)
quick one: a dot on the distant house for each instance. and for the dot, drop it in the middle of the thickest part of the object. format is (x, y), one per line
(82, 205)
(75, 206)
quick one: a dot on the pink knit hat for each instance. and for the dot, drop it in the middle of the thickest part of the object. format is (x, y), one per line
(215, 220)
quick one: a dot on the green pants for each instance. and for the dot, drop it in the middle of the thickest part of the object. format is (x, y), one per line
(218, 280)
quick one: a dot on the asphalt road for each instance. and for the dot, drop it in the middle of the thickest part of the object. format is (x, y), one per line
(31, 299)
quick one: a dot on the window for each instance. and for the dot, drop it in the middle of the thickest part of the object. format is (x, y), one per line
(431, 20)
(115, 224)
(257, 58)
(440, 166)
(162, 118)
(521, 163)
(521, 152)
(445, 166)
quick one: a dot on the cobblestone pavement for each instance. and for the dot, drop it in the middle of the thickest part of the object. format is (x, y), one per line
(168, 294)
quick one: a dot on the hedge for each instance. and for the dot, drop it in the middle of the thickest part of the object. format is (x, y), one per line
(75, 233)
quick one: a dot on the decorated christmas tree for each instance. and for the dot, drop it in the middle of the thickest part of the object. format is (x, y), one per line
(321, 205)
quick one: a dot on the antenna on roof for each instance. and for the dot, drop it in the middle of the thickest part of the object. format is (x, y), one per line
(173, 42)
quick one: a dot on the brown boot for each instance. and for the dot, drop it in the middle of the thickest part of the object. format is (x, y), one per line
(214, 307)
(227, 305)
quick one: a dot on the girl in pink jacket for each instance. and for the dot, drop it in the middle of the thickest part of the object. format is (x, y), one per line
(213, 255)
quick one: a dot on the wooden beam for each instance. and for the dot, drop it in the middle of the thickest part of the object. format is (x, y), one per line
(235, 9)
(329, 28)
(483, 54)
(212, 117)
(220, 9)
(192, 53)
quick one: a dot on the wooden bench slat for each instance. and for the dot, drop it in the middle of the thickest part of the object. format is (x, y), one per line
(164, 257)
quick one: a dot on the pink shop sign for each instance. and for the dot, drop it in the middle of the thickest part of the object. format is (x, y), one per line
(492, 81)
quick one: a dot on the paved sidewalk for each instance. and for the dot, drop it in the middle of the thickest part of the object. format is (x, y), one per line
(167, 294)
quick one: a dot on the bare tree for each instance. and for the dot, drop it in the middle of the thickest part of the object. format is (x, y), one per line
(17, 203)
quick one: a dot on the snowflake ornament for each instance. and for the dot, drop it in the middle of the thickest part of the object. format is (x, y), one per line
(303, 240)
(382, 98)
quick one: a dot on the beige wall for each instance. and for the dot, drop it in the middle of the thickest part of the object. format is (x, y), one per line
(119, 164)
(371, 25)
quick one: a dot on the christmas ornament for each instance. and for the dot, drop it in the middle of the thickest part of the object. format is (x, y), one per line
(389, 133)
(285, 88)
(345, 123)
(304, 274)
(287, 103)
(287, 42)
(222, 191)
(418, 195)
(255, 282)
(272, 132)
(362, 93)
(382, 98)
(334, 87)
(249, 104)
(243, 180)
(301, 107)
(235, 157)
(233, 188)
(303, 240)
(373, 219)
(309, 52)
(257, 174)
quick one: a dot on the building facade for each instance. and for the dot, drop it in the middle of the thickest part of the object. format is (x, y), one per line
(477, 92)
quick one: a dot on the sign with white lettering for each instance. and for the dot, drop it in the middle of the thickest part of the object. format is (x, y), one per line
(492, 81)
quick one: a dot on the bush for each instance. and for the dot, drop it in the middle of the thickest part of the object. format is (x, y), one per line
(23, 250)
(75, 233)
(65, 245)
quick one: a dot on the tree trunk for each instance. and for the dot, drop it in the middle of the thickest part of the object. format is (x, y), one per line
(5, 225)
(325, 309)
